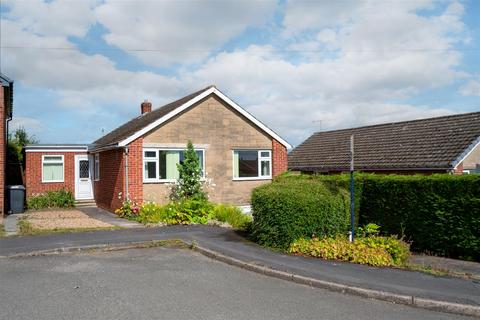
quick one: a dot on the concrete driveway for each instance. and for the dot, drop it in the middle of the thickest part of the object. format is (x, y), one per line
(165, 283)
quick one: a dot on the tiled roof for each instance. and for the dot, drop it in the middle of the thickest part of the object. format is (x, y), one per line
(434, 143)
(134, 125)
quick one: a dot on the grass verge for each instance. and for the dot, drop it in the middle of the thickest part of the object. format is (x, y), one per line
(2, 231)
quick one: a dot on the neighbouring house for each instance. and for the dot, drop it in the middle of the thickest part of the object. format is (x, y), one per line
(436, 145)
(140, 158)
(6, 111)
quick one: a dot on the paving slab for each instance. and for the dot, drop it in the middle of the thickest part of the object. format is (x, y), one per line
(108, 217)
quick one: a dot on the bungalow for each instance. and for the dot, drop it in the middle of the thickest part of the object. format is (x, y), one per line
(6, 110)
(139, 159)
(436, 145)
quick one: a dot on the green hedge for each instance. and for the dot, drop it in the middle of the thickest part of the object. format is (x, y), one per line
(51, 199)
(289, 209)
(438, 214)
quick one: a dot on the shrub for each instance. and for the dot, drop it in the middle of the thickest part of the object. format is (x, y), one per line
(339, 248)
(289, 209)
(437, 214)
(51, 199)
(129, 209)
(182, 212)
(232, 215)
(188, 185)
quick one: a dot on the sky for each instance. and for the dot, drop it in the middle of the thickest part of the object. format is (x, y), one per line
(82, 67)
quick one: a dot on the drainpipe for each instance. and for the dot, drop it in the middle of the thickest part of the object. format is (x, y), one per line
(127, 196)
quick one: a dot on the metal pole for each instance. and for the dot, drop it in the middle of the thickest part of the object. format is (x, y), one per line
(352, 192)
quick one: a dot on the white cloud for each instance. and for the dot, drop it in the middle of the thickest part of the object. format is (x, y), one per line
(471, 88)
(355, 61)
(33, 126)
(182, 31)
(53, 18)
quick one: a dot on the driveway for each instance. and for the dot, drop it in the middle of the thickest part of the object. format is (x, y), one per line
(163, 283)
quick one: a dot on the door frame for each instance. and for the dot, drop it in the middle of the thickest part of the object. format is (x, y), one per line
(77, 176)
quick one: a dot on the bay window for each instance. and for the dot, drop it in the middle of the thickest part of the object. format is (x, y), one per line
(252, 164)
(160, 165)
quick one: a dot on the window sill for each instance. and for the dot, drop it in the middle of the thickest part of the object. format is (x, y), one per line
(252, 179)
(54, 181)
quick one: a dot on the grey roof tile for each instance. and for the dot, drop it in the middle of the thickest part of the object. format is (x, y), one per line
(419, 144)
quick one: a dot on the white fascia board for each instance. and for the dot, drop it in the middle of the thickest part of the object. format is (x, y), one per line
(475, 144)
(191, 102)
(57, 150)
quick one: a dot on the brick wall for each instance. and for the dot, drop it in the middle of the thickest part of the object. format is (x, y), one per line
(110, 189)
(112, 180)
(33, 173)
(279, 158)
(459, 169)
(135, 173)
(2, 152)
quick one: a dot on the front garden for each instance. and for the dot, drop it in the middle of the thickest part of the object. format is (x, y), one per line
(189, 202)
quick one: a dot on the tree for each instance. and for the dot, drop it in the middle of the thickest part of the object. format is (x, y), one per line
(16, 141)
(189, 185)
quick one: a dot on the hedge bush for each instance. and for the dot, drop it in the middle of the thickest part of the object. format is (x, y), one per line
(51, 199)
(439, 214)
(289, 209)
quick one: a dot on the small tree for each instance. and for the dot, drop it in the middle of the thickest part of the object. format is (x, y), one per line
(188, 185)
(16, 141)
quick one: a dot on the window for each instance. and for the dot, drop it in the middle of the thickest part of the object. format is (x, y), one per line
(97, 167)
(52, 168)
(252, 164)
(160, 165)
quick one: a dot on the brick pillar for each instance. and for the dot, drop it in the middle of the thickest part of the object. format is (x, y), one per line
(279, 158)
(135, 170)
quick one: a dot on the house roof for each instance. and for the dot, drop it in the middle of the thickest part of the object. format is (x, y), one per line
(144, 123)
(426, 144)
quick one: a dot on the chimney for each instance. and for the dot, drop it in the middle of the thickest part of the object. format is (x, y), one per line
(146, 106)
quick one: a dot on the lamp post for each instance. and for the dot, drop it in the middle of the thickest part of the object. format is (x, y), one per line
(352, 192)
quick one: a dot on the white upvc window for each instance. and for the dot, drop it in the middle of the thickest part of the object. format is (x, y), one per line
(160, 165)
(96, 168)
(53, 168)
(252, 164)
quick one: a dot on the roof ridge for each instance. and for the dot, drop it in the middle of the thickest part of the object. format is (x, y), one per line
(399, 122)
(156, 113)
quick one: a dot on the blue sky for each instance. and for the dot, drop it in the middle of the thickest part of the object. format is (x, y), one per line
(82, 67)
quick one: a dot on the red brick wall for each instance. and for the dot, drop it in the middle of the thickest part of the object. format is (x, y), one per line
(279, 158)
(135, 170)
(112, 177)
(2, 152)
(112, 180)
(459, 169)
(33, 173)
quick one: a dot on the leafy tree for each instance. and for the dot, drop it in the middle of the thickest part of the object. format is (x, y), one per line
(16, 141)
(189, 185)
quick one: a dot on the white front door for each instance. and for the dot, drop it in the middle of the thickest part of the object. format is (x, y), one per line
(83, 178)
